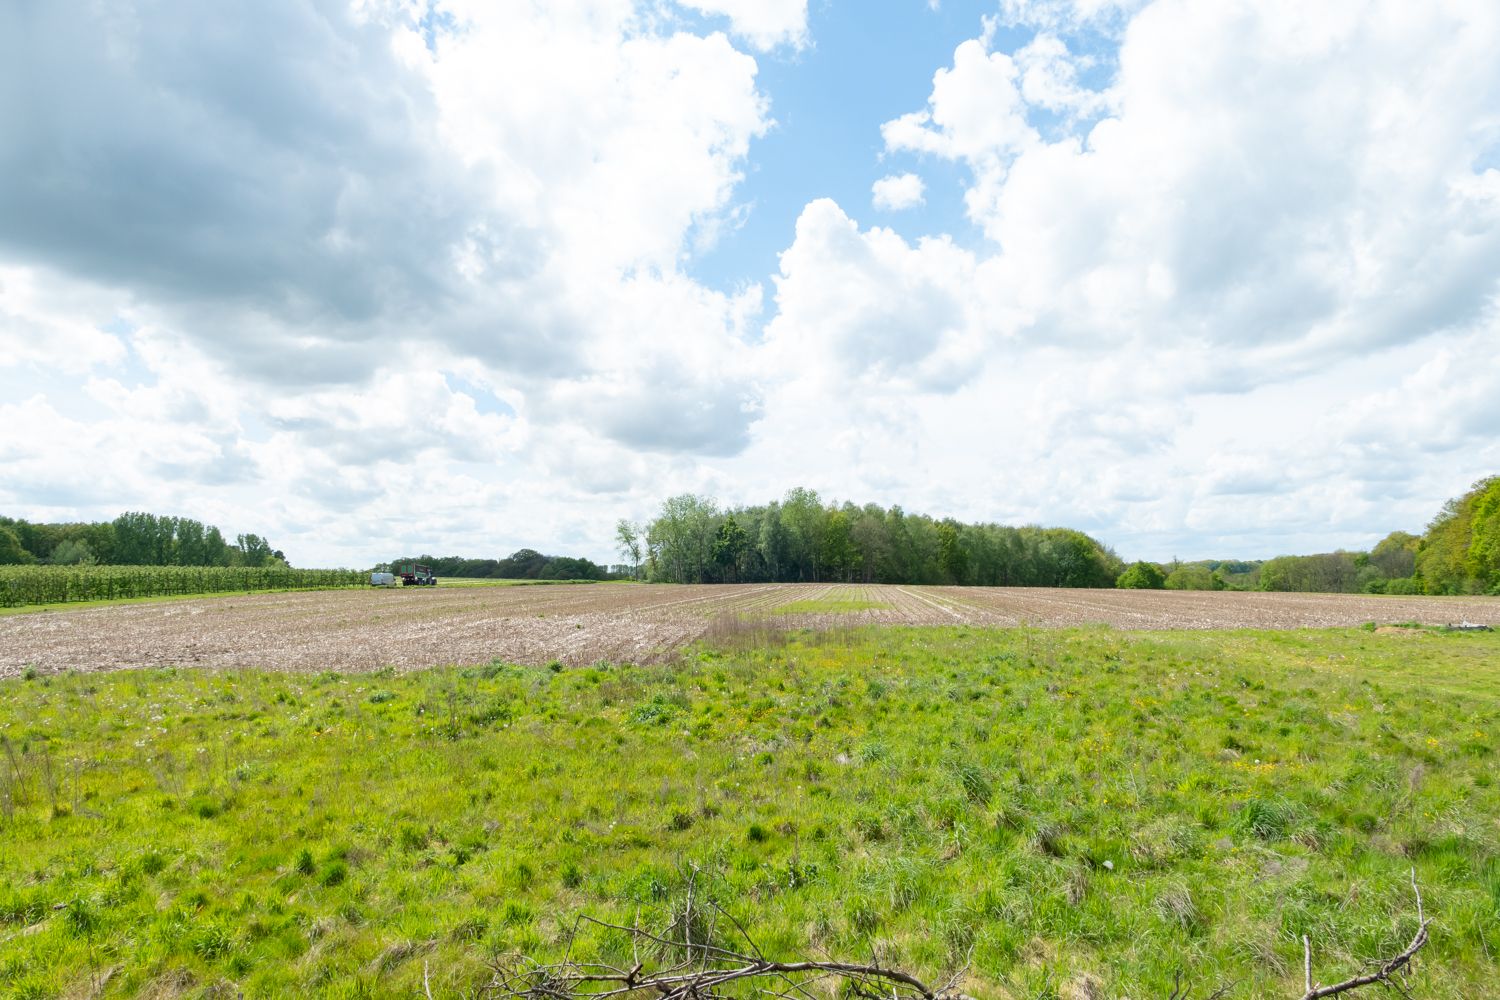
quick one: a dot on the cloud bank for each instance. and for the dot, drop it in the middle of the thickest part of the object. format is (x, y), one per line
(384, 275)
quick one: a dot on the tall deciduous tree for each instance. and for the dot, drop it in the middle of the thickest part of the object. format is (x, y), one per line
(628, 538)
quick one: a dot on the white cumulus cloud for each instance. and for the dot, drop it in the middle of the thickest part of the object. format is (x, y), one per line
(764, 23)
(364, 280)
(897, 192)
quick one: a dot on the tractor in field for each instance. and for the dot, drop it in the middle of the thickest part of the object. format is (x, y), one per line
(415, 575)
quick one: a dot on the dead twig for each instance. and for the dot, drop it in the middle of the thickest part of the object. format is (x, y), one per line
(1385, 972)
(691, 967)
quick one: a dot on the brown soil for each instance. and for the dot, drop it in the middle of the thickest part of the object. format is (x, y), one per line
(356, 630)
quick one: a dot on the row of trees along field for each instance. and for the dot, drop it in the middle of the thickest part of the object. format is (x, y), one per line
(142, 555)
(132, 539)
(694, 540)
(523, 564)
(1458, 554)
(26, 585)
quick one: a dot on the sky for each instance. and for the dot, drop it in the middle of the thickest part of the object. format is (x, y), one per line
(374, 277)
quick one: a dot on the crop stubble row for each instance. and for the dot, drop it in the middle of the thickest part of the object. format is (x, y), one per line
(408, 629)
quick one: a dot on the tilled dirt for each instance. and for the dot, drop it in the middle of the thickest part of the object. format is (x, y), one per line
(355, 630)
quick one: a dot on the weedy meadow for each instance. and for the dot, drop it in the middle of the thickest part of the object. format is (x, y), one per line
(1066, 813)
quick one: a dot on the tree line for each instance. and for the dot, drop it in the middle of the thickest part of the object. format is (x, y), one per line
(523, 564)
(1459, 553)
(801, 539)
(134, 538)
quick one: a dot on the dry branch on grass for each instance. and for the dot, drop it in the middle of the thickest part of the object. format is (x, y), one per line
(681, 966)
(684, 963)
(1385, 972)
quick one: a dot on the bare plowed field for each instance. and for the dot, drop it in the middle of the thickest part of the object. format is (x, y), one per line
(419, 627)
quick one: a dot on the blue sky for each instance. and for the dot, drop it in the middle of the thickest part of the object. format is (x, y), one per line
(865, 65)
(1207, 280)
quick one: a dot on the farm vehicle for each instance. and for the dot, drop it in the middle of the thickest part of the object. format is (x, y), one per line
(407, 574)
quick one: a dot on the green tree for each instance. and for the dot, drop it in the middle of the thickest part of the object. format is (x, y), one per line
(12, 553)
(840, 558)
(803, 515)
(215, 548)
(1395, 555)
(1444, 558)
(1483, 559)
(254, 550)
(191, 548)
(73, 552)
(681, 538)
(730, 544)
(1142, 576)
(1193, 576)
(628, 541)
(951, 555)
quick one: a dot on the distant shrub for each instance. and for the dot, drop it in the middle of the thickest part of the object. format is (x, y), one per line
(499, 710)
(1405, 586)
(1142, 576)
(660, 710)
(1193, 577)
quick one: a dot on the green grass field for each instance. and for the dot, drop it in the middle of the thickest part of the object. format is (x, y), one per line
(1075, 813)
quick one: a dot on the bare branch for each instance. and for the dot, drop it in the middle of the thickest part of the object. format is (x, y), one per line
(691, 966)
(703, 974)
(1385, 972)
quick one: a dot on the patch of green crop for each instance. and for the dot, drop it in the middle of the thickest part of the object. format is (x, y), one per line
(832, 603)
(1069, 811)
(828, 606)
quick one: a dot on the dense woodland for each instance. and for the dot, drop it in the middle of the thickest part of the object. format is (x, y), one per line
(524, 564)
(132, 539)
(802, 539)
